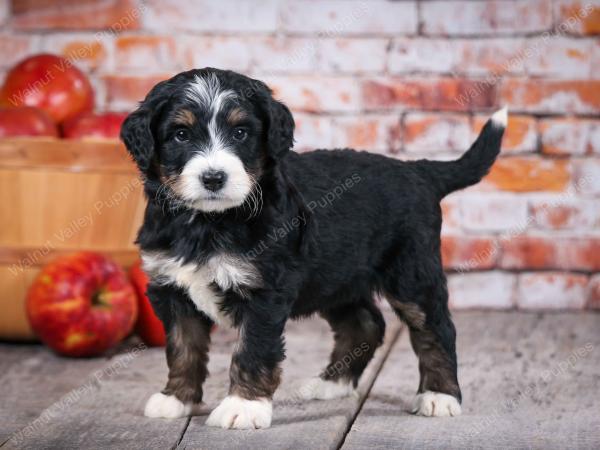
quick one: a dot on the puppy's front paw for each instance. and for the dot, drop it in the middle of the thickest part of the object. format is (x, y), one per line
(318, 388)
(436, 404)
(167, 407)
(239, 413)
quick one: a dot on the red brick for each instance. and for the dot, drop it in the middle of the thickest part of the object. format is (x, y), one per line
(450, 94)
(520, 134)
(559, 57)
(211, 16)
(552, 290)
(529, 175)
(541, 252)
(378, 133)
(577, 17)
(593, 301)
(341, 17)
(465, 253)
(143, 51)
(123, 92)
(345, 55)
(561, 213)
(489, 17)
(494, 290)
(570, 136)
(551, 96)
(431, 133)
(526, 252)
(115, 15)
(316, 94)
(14, 48)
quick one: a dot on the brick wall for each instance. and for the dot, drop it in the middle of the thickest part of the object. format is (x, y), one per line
(409, 79)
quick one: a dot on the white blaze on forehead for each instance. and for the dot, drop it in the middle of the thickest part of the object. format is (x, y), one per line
(206, 91)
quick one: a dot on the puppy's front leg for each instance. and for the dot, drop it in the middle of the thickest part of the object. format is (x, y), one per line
(255, 369)
(188, 339)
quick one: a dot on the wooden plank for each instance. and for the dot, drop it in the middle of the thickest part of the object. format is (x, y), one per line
(108, 413)
(528, 380)
(105, 410)
(296, 424)
(66, 155)
(31, 379)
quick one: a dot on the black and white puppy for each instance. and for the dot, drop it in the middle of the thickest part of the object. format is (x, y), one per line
(241, 232)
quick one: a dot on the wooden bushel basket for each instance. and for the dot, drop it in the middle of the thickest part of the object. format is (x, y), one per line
(57, 197)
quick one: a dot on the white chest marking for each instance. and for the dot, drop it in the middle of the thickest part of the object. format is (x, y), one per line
(226, 271)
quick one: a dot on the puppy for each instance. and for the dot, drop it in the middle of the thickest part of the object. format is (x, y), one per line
(242, 232)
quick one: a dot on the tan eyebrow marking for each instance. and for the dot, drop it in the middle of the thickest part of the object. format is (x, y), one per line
(236, 115)
(185, 117)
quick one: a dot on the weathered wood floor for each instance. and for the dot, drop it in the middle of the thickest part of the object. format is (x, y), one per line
(530, 380)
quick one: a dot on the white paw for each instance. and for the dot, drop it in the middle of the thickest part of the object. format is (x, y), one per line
(164, 406)
(436, 404)
(237, 412)
(318, 388)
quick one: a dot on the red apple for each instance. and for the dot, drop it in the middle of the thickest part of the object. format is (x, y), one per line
(94, 125)
(81, 304)
(51, 83)
(148, 327)
(26, 121)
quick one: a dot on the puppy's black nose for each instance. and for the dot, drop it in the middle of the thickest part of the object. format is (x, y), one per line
(214, 180)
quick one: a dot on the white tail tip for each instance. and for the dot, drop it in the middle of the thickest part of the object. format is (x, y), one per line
(500, 117)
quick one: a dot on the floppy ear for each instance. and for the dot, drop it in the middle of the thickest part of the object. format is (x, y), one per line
(280, 137)
(137, 130)
(137, 136)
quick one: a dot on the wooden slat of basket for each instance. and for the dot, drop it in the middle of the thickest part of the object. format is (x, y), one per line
(68, 155)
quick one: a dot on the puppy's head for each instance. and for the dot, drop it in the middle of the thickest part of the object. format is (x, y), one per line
(207, 137)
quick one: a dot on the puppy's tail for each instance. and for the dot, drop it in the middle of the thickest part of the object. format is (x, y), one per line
(470, 168)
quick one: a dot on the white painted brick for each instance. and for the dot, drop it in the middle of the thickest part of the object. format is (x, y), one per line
(482, 290)
(493, 212)
(560, 57)
(222, 52)
(436, 133)
(588, 176)
(312, 132)
(214, 16)
(281, 54)
(465, 17)
(560, 212)
(340, 17)
(551, 290)
(422, 55)
(317, 93)
(345, 55)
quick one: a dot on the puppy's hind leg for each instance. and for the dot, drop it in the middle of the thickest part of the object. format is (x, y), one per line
(358, 331)
(433, 338)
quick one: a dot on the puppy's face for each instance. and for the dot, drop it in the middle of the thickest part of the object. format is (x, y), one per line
(212, 134)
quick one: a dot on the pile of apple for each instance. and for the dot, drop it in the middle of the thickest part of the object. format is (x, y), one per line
(46, 95)
(83, 304)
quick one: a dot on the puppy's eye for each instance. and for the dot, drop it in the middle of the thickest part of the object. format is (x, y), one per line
(239, 134)
(182, 135)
